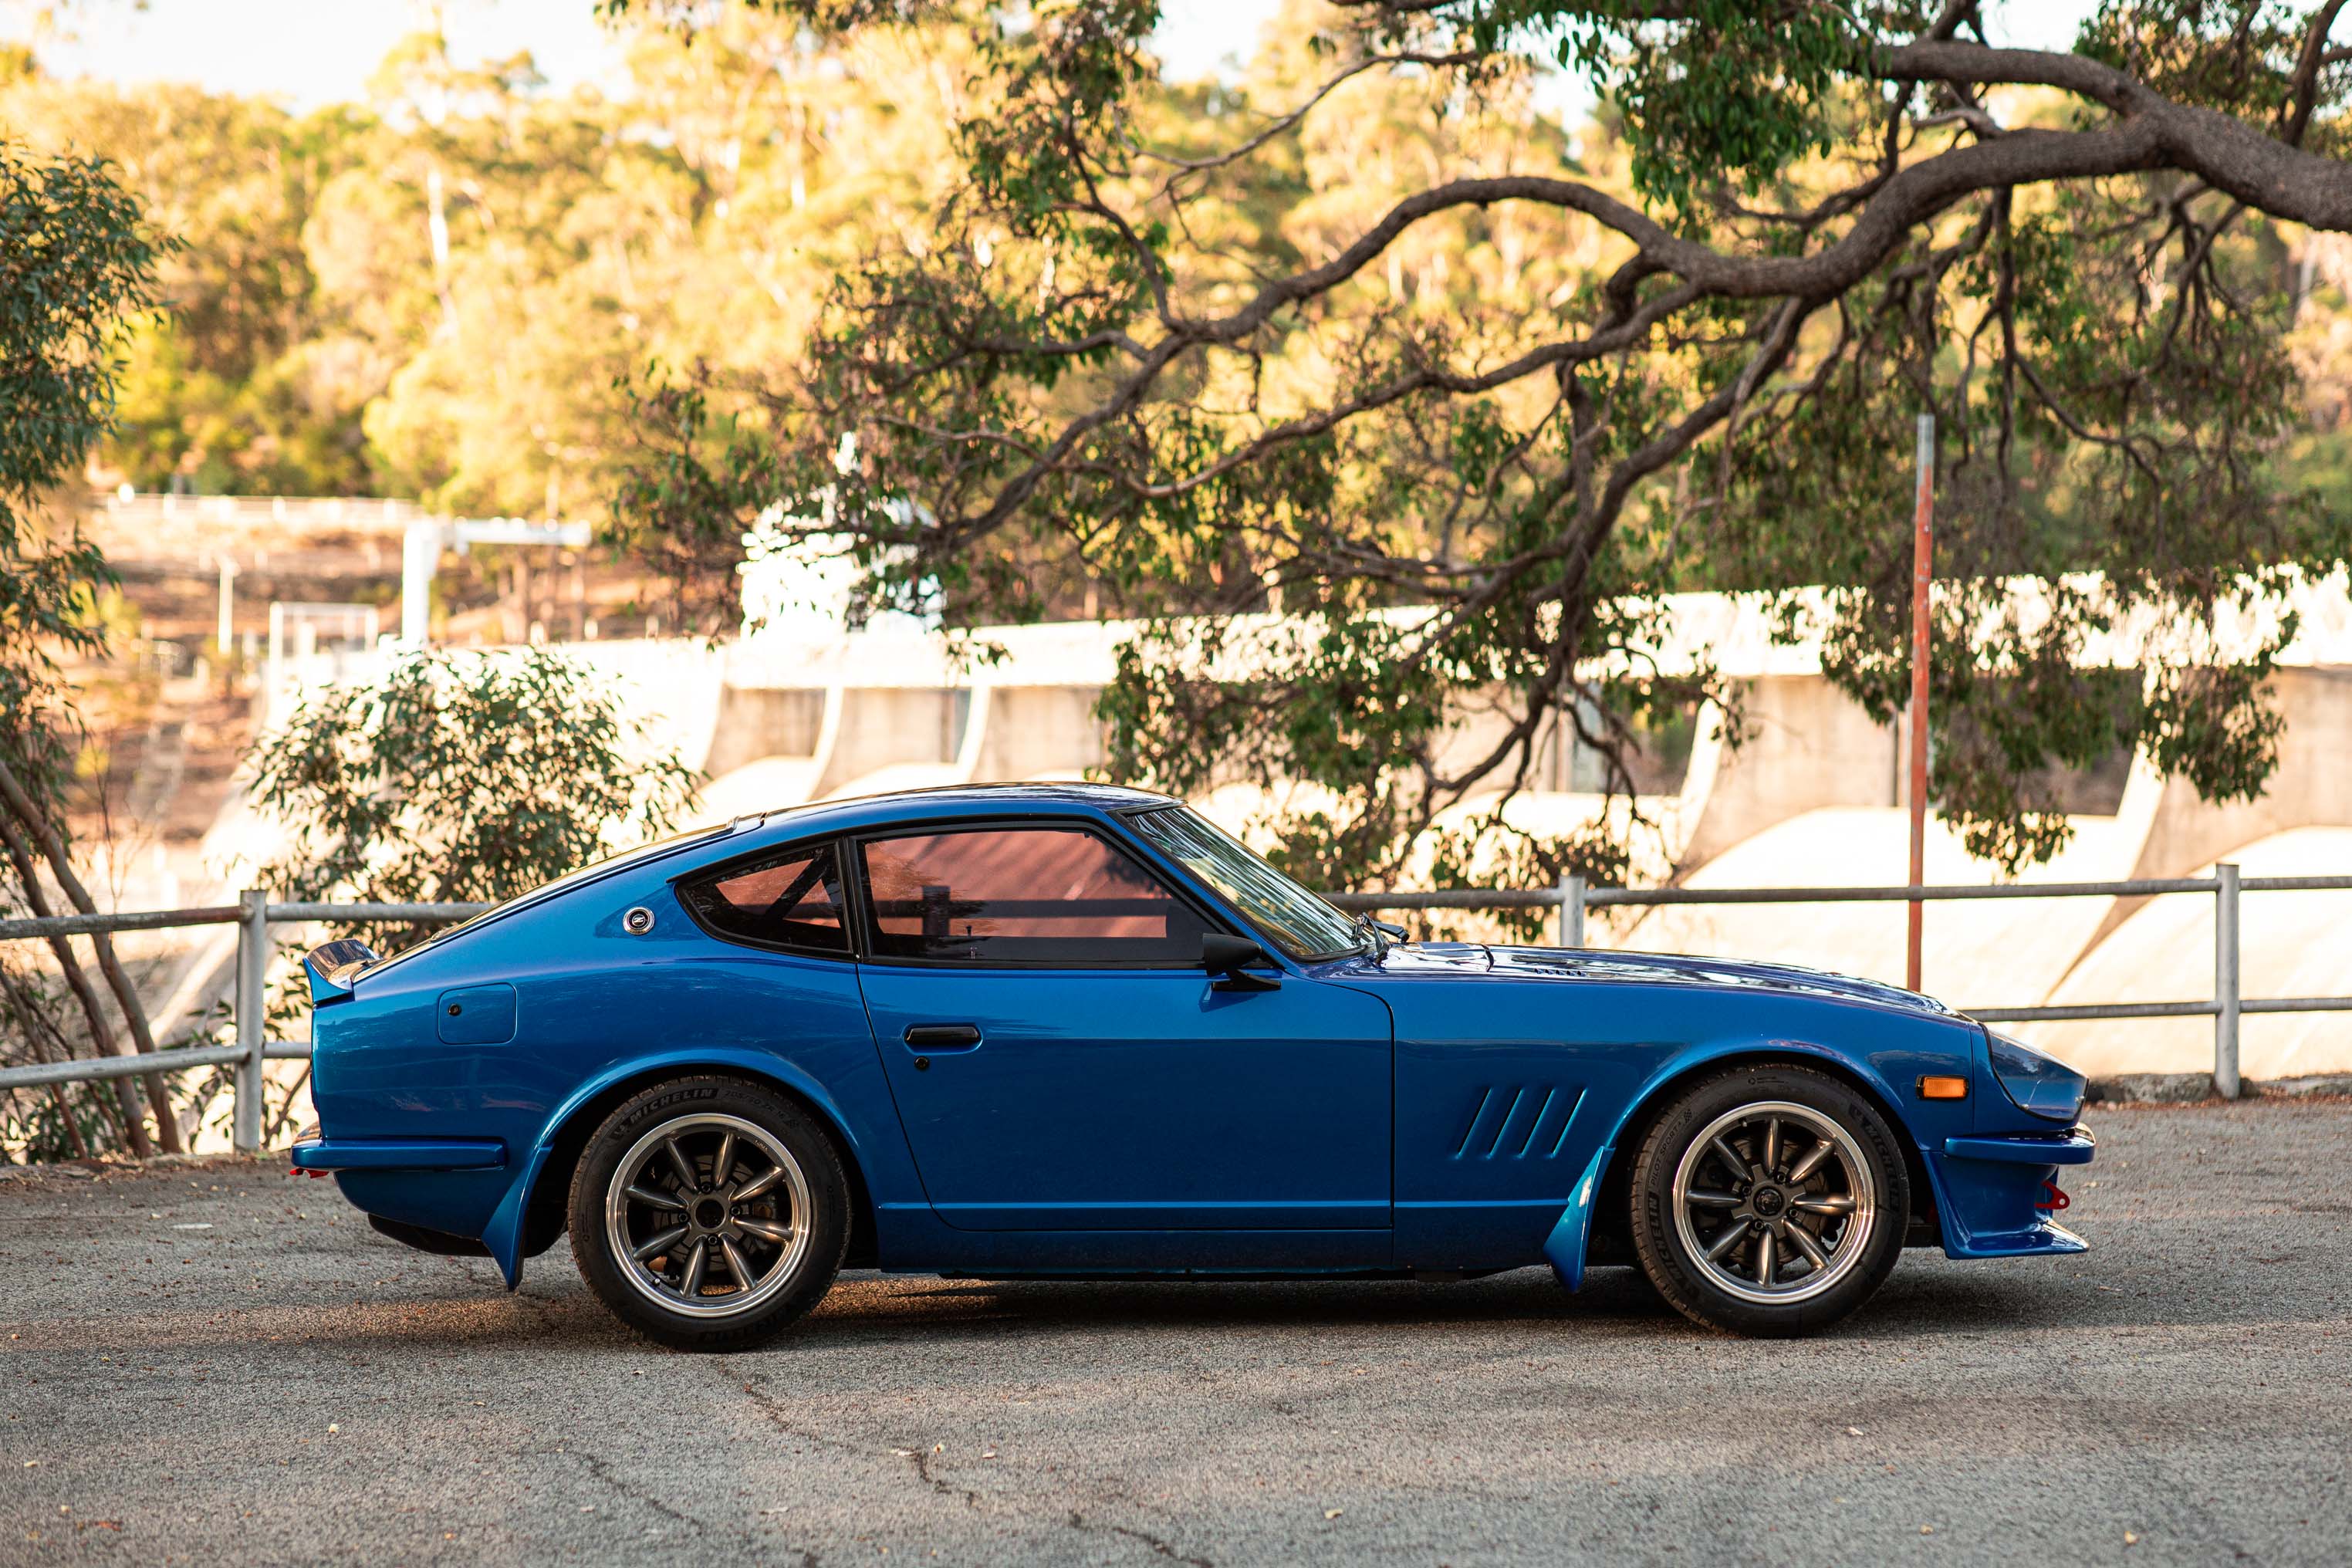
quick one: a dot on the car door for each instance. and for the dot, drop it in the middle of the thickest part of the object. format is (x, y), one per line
(1062, 1062)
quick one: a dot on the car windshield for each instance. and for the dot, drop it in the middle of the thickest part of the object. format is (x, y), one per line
(1301, 924)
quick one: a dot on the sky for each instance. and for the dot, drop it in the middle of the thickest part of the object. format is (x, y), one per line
(312, 52)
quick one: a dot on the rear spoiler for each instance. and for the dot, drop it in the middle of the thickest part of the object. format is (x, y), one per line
(332, 966)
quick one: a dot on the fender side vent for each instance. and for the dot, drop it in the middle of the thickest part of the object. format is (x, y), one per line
(1519, 1121)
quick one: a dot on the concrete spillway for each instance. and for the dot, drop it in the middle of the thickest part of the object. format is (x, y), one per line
(1812, 798)
(2290, 944)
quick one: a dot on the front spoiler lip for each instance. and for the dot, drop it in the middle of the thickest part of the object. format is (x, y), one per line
(2075, 1146)
(317, 1153)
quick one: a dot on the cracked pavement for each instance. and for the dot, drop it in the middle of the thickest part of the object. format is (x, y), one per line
(286, 1387)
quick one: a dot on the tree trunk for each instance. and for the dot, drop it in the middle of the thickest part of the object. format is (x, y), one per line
(134, 1012)
(102, 1027)
(28, 1021)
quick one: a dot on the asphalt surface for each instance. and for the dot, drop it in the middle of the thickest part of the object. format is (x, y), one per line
(286, 1386)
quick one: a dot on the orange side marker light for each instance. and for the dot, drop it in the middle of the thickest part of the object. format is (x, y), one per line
(1936, 1088)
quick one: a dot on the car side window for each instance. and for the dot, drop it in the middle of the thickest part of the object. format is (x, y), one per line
(1041, 896)
(792, 900)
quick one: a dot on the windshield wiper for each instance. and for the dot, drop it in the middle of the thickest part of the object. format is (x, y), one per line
(1378, 934)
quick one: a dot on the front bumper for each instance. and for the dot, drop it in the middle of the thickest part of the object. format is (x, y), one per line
(1995, 1192)
(2073, 1147)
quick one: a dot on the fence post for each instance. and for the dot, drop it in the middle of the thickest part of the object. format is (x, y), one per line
(2225, 981)
(252, 962)
(1570, 930)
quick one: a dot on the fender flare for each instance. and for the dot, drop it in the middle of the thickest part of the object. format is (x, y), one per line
(1566, 1248)
(503, 1234)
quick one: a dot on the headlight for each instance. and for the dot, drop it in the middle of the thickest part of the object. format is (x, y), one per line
(2039, 1084)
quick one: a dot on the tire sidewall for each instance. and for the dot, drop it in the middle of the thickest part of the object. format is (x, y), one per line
(1656, 1238)
(828, 1218)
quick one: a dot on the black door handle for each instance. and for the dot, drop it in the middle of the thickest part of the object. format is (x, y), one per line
(942, 1037)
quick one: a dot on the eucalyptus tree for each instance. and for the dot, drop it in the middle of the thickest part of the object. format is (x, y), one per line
(77, 260)
(1683, 350)
(458, 776)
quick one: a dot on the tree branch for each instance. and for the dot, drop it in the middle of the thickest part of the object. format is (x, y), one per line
(102, 1028)
(2303, 87)
(134, 1012)
(2273, 175)
(1275, 128)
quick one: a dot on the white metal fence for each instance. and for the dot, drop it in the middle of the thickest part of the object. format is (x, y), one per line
(1572, 898)
(253, 915)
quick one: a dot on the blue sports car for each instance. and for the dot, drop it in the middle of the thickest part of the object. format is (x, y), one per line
(1074, 1031)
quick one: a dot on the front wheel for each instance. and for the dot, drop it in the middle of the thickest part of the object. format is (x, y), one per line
(710, 1213)
(1770, 1200)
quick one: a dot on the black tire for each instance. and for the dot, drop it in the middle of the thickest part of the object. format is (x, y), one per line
(793, 1216)
(1788, 1284)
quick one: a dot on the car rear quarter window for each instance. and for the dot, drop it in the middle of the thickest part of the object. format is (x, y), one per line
(791, 900)
(1041, 896)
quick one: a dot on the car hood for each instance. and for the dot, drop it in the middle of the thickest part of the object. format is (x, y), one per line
(1645, 969)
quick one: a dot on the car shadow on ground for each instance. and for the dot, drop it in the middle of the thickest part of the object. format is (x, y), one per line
(1611, 1300)
(866, 1308)
(555, 1313)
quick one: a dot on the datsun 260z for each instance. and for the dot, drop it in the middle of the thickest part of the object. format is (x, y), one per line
(1076, 1031)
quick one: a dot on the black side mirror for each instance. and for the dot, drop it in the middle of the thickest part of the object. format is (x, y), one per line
(1229, 958)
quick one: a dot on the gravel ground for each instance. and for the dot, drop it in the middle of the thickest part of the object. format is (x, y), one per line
(219, 1363)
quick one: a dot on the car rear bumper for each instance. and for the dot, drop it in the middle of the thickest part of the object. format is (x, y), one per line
(314, 1153)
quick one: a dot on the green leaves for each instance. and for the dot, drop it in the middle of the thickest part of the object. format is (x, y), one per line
(1717, 94)
(76, 260)
(1393, 413)
(459, 777)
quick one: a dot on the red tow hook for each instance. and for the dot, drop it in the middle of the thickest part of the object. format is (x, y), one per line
(2054, 1198)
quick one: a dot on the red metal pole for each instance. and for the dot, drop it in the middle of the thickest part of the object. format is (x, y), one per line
(1922, 574)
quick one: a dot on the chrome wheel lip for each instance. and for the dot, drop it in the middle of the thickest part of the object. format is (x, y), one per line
(1854, 1239)
(648, 1154)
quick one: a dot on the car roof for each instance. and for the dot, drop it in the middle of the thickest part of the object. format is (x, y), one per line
(949, 801)
(755, 831)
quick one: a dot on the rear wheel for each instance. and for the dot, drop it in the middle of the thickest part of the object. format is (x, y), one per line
(710, 1213)
(1770, 1200)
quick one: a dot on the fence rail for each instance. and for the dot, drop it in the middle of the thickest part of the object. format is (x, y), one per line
(253, 915)
(1572, 898)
